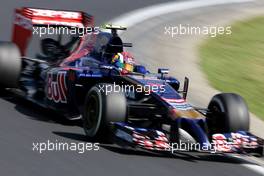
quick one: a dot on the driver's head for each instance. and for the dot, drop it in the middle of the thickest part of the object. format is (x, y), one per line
(124, 60)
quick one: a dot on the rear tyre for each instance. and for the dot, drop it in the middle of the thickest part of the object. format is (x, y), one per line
(228, 113)
(101, 108)
(10, 65)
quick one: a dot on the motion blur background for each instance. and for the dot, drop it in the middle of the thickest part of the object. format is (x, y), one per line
(229, 63)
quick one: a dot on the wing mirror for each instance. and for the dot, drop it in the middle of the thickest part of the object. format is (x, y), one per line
(163, 71)
(185, 88)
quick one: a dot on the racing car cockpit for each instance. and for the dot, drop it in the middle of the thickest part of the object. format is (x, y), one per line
(103, 50)
(115, 45)
(107, 45)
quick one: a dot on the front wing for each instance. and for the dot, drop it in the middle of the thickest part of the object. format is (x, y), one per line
(240, 142)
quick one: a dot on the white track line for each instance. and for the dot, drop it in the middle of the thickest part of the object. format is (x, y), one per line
(137, 16)
(256, 168)
(256, 165)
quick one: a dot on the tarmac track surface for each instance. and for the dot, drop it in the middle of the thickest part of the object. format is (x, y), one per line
(24, 123)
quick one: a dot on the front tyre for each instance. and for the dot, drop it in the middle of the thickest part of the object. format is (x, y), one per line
(228, 112)
(102, 107)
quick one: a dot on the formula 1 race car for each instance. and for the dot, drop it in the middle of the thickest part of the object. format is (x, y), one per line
(140, 109)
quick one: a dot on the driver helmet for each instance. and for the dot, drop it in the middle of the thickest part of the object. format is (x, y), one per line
(124, 61)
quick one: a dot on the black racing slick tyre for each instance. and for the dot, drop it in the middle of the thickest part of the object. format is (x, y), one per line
(228, 112)
(10, 65)
(102, 107)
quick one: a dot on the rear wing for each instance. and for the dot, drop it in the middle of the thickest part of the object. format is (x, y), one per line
(26, 18)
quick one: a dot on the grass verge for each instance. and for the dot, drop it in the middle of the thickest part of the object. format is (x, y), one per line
(235, 63)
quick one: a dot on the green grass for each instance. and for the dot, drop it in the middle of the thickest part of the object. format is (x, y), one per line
(235, 63)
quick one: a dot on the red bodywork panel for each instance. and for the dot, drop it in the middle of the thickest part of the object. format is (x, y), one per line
(26, 18)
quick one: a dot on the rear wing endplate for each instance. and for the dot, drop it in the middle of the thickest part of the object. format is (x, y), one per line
(26, 18)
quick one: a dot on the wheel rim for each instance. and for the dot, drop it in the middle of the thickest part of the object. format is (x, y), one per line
(92, 115)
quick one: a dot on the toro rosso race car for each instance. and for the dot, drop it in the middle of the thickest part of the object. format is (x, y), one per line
(92, 77)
